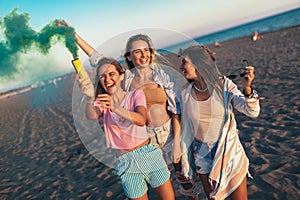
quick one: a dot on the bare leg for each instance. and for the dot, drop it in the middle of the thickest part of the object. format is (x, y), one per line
(184, 183)
(165, 191)
(177, 167)
(241, 192)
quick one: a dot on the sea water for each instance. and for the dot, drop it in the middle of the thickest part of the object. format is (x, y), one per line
(272, 23)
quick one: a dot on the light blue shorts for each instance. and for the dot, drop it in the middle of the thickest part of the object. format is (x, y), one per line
(204, 154)
(140, 167)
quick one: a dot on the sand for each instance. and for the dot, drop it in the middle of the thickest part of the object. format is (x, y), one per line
(42, 156)
(272, 140)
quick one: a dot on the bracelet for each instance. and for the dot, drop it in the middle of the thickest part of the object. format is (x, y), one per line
(90, 102)
(248, 95)
(253, 94)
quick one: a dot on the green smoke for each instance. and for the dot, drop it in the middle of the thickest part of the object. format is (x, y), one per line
(19, 38)
(63, 33)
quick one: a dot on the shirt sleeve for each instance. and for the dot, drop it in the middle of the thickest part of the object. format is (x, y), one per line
(172, 90)
(95, 58)
(139, 98)
(248, 106)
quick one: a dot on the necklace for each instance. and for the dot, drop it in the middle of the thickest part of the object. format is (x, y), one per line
(199, 90)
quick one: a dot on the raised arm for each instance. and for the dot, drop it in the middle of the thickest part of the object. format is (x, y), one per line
(86, 47)
(246, 102)
(87, 88)
(137, 116)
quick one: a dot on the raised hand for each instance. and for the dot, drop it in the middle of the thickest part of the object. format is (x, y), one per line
(60, 22)
(248, 77)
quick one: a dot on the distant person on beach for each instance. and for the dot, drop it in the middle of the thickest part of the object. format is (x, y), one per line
(124, 114)
(210, 139)
(256, 36)
(217, 44)
(162, 97)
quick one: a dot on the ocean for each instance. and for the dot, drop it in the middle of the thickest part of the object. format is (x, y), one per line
(272, 23)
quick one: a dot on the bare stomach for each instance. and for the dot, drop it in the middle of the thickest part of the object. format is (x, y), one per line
(157, 116)
(157, 113)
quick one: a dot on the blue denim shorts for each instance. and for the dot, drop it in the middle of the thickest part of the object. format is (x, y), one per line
(204, 154)
(141, 167)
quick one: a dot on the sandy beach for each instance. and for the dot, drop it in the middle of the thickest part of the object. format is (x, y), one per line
(42, 155)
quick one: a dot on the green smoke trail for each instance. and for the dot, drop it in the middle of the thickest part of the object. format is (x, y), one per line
(62, 33)
(19, 38)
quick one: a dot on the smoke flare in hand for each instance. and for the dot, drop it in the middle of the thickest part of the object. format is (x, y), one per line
(19, 37)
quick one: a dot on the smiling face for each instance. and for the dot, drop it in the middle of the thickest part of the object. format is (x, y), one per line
(188, 68)
(110, 78)
(140, 54)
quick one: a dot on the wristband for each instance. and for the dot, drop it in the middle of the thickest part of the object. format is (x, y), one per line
(248, 95)
(253, 94)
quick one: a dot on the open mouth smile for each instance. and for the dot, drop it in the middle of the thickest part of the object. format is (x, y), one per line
(110, 85)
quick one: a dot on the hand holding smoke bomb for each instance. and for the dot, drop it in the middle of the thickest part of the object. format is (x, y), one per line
(79, 68)
(76, 62)
(19, 37)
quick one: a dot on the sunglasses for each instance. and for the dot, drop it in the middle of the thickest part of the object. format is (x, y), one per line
(242, 70)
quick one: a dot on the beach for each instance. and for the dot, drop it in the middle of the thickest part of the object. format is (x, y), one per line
(43, 157)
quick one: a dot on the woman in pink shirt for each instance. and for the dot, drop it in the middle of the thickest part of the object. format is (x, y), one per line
(139, 163)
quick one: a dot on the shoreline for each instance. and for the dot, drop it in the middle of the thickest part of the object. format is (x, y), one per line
(25, 88)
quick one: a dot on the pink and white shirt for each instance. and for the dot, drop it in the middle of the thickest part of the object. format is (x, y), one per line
(119, 132)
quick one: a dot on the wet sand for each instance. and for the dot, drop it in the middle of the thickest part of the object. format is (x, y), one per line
(42, 156)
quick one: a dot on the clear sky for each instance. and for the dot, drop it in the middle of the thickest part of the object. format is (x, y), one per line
(98, 21)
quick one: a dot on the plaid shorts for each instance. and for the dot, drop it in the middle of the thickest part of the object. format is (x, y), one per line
(140, 167)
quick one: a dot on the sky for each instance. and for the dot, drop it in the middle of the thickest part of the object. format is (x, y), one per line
(99, 21)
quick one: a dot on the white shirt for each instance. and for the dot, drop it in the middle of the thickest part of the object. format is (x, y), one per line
(207, 117)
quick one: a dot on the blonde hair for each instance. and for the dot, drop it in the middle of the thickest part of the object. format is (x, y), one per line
(155, 56)
(205, 62)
